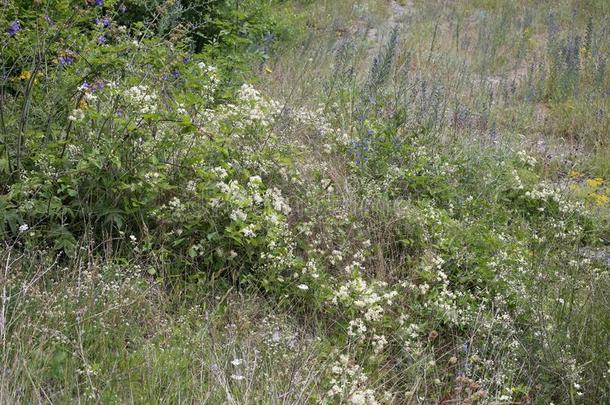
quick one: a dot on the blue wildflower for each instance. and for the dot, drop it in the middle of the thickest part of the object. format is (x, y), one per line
(66, 60)
(14, 28)
(99, 3)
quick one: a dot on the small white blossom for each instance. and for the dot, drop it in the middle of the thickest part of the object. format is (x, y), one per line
(77, 115)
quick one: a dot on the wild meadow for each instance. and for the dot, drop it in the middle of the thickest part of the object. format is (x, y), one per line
(305, 201)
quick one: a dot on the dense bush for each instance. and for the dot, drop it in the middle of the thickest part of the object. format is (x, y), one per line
(104, 124)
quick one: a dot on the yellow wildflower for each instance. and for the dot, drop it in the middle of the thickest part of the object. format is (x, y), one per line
(600, 199)
(595, 183)
(584, 52)
(574, 173)
(25, 75)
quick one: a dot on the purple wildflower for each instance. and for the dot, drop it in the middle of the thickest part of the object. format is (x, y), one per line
(48, 19)
(164, 77)
(101, 39)
(99, 3)
(106, 21)
(176, 74)
(66, 60)
(100, 85)
(14, 28)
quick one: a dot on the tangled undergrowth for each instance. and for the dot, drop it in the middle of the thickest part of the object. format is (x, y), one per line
(173, 234)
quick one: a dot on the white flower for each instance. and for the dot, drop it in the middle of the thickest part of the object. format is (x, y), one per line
(238, 214)
(90, 97)
(357, 398)
(142, 97)
(249, 231)
(237, 377)
(255, 181)
(237, 362)
(303, 287)
(23, 228)
(356, 327)
(379, 343)
(77, 115)
(220, 172)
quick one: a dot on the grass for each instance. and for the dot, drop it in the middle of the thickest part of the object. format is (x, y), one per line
(108, 335)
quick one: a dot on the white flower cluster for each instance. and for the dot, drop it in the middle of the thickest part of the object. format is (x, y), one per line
(210, 83)
(325, 133)
(526, 159)
(142, 98)
(369, 301)
(278, 202)
(547, 192)
(252, 207)
(349, 381)
(252, 109)
(363, 296)
(76, 115)
(444, 299)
